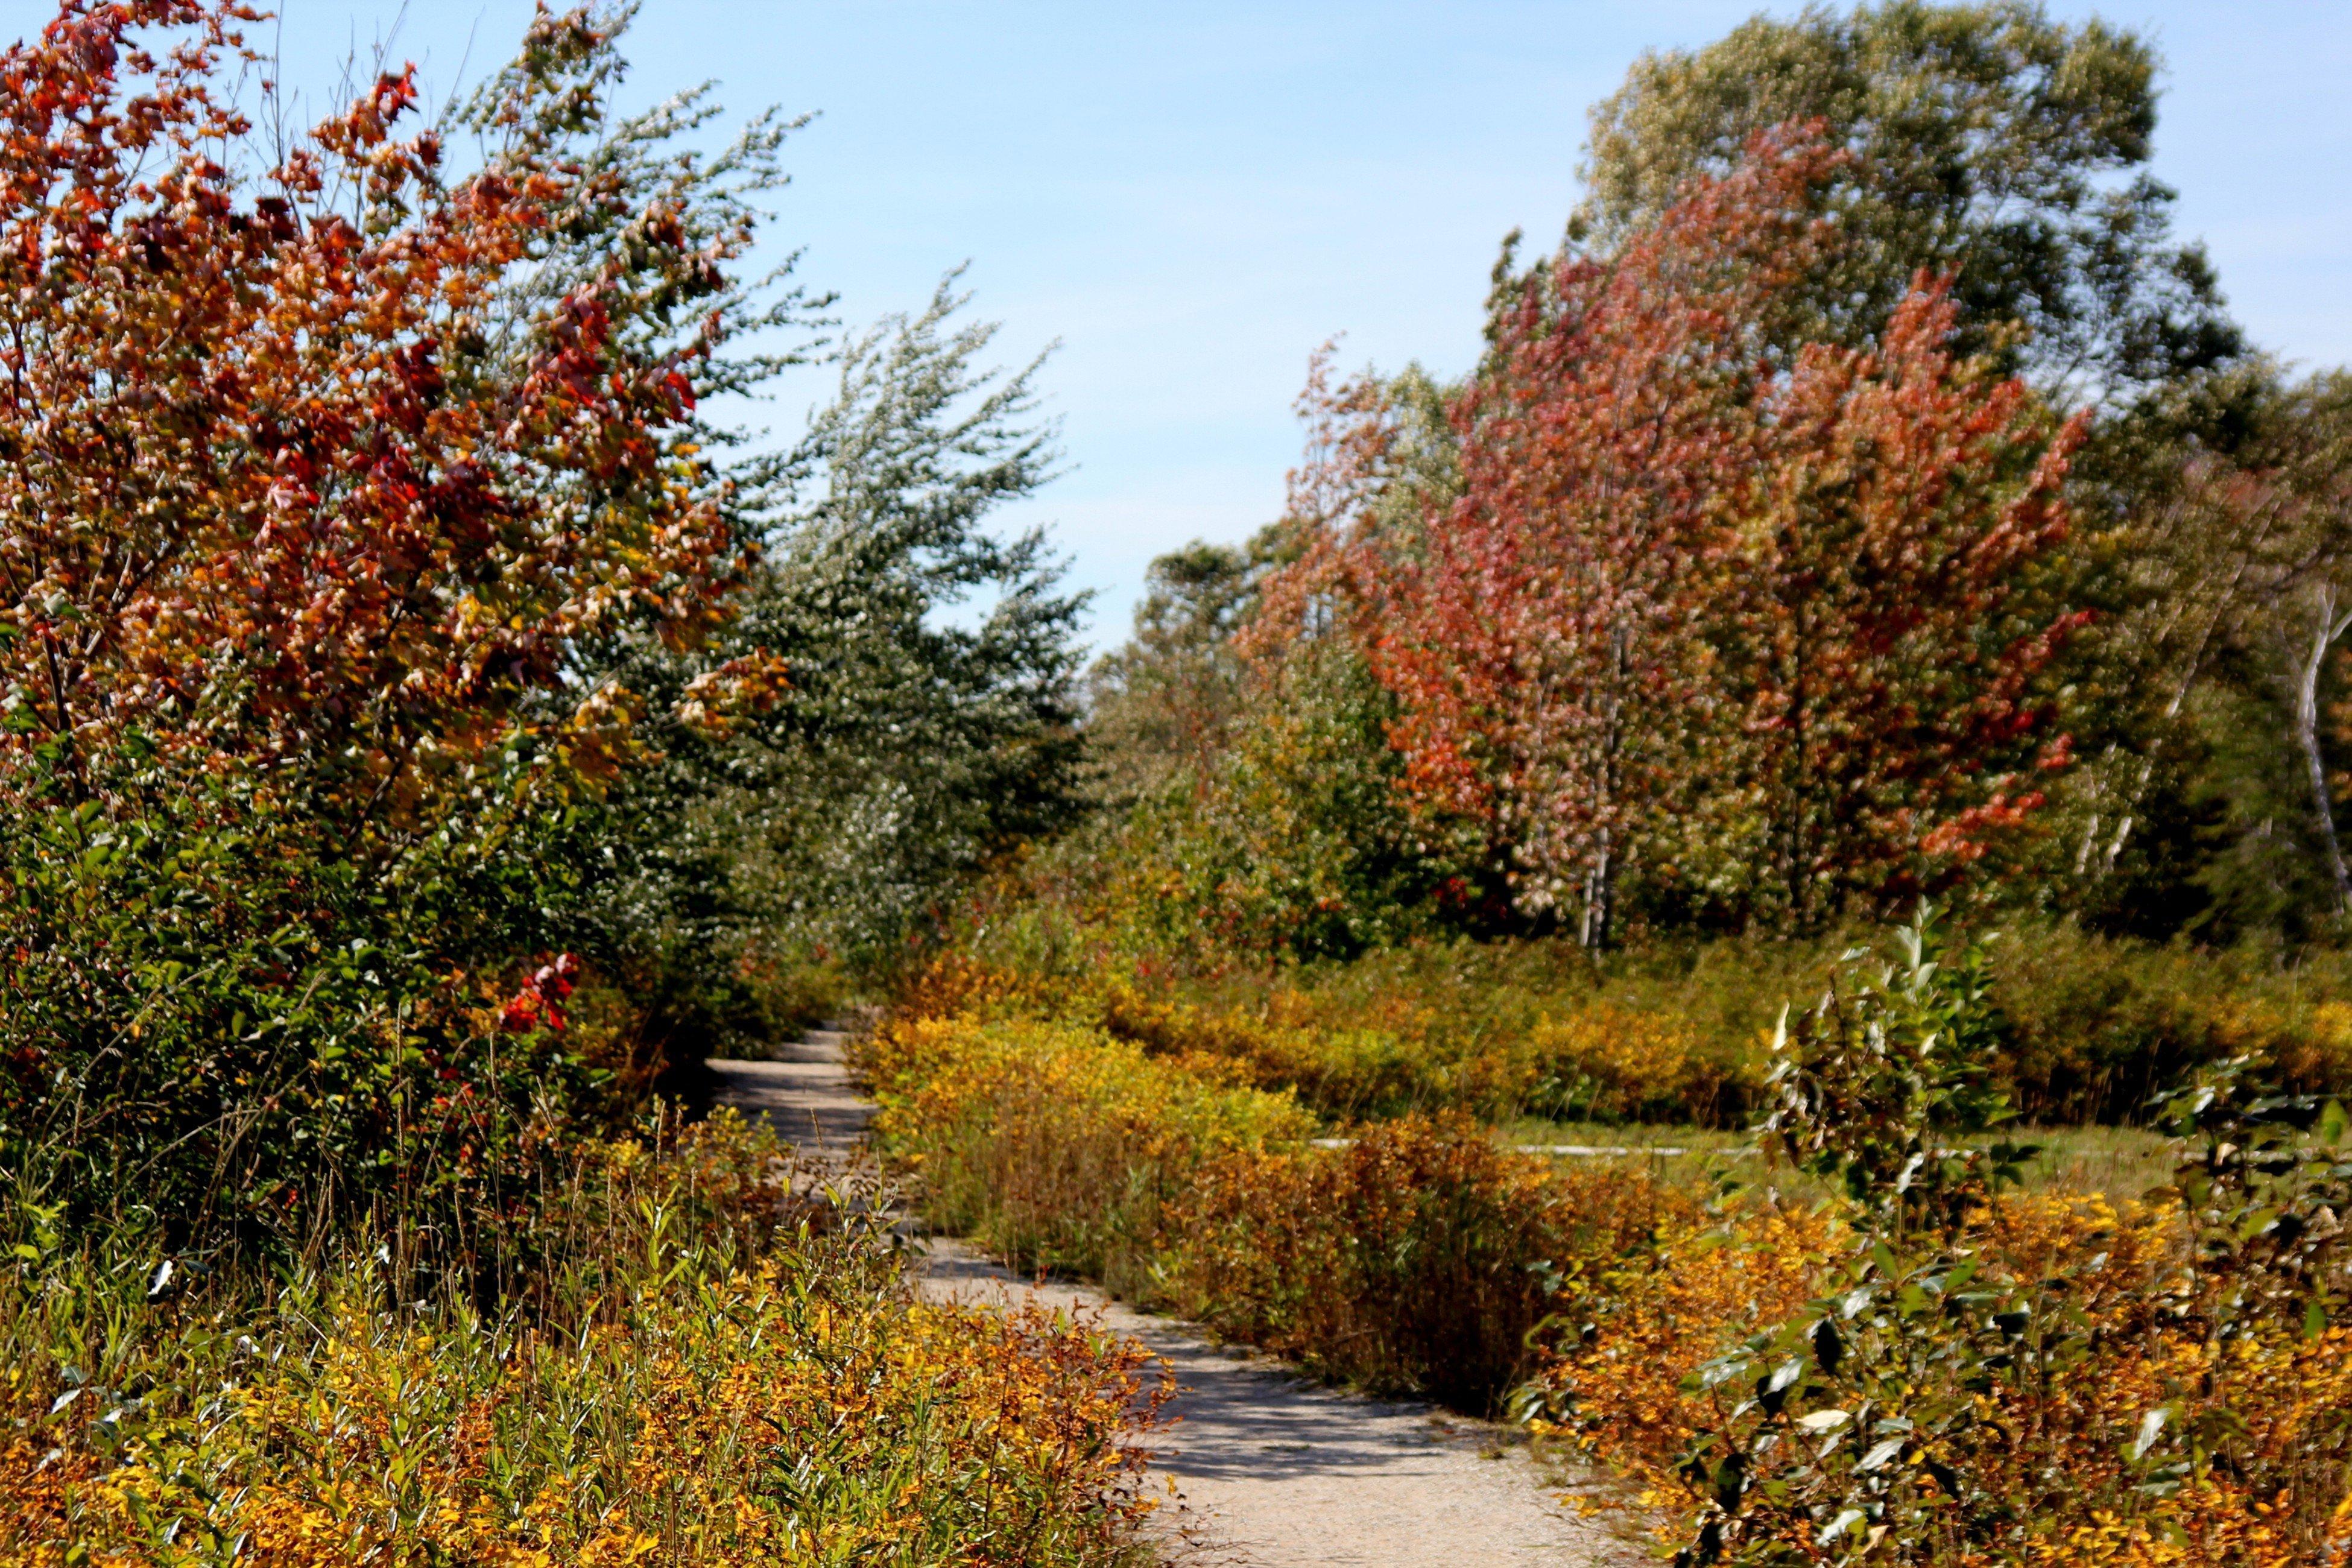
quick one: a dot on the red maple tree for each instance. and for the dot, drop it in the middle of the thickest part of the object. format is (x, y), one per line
(335, 481)
(1884, 628)
(1749, 620)
(324, 462)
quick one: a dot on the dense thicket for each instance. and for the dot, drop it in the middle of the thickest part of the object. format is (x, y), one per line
(391, 642)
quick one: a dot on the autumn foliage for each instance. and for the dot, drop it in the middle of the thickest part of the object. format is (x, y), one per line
(355, 527)
(327, 467)
(1862, 1346)
(296, 474)
(1756, 633)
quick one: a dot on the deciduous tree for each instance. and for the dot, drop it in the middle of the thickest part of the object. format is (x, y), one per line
(1989, 143)
(1546, 635)
(929, 722)
(325, 462)
(1883, 627)
(1752, 628)
(306, 464)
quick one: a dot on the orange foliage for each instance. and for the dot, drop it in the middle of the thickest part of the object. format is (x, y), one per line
(291, 470)
(1624, 1386)
(1616, 1379)
(1409, 1258)
(1403, 1258)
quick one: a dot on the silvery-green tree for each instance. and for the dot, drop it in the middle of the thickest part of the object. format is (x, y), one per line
(926, 719)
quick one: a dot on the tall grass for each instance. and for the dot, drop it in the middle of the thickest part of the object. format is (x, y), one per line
(710, 1371)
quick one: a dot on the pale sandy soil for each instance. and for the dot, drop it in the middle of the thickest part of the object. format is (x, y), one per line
(1261, 1469)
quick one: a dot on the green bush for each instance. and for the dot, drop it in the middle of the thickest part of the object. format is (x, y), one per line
(219, 1027)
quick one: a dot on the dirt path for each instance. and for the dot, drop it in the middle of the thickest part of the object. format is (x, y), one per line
(1269, 1470)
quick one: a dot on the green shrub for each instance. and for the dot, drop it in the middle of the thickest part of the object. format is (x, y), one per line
(219, 1027)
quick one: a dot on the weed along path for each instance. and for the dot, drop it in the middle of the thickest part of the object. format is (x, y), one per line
(1268, 1470)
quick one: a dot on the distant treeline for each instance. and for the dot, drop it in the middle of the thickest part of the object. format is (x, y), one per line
(1869, 500)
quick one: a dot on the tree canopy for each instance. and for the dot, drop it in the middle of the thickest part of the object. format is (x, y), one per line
(1988, 140)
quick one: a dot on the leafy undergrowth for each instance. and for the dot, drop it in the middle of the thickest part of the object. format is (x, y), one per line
(709, 1372)
(1893, 1357)
(1402, 1261)
(2045, 1395)
(1930, 1372)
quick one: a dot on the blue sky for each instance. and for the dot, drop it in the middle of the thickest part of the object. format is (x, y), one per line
(1191, 197)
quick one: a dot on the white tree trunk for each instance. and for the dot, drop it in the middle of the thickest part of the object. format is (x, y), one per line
(2306, 729)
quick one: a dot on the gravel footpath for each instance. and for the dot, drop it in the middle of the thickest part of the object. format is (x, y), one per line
(1266, 1470)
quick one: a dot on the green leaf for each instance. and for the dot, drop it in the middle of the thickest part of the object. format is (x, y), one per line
(2315, 1319)
(1880, 1452)
(2151, 1428)
(1730, 1483)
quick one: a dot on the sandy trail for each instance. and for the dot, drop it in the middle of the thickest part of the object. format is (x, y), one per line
(1268, 1470)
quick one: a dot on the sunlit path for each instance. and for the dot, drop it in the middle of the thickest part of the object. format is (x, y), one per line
(1263, 1468)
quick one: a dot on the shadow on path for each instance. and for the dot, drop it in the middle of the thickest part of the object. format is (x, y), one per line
(804, 1091)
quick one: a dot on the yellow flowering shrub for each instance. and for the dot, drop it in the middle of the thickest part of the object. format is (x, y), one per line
(2318, 1053)
(1614, 1377)
(1410, 1255)
(1605, 1060)
(1057, 1144)
(2035, 1379)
